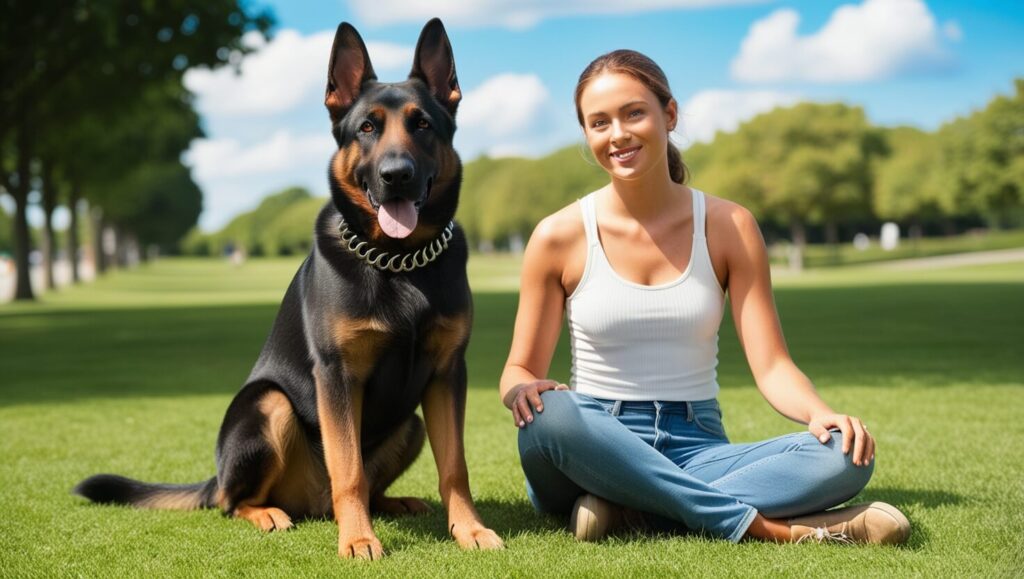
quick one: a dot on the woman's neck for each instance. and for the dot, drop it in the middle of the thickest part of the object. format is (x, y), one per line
(645, 199)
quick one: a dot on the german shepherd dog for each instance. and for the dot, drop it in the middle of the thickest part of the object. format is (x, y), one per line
(375, 323)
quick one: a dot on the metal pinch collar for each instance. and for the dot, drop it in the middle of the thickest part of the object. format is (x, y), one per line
(398, 262)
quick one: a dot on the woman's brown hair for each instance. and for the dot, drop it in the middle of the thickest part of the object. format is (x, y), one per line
(647, 73)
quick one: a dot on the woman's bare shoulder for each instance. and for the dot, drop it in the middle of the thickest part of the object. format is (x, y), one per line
(729, 218)
(560, 230)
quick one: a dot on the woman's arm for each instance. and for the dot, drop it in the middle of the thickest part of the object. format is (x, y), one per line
(779, 380)
(538, 320)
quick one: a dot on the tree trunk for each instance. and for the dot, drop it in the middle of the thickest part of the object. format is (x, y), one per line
(49, 192)
(76, 195)
(120, 247)
(832, 239)
(914, 232)
(96, 214)
(22, 242)
(796, 250)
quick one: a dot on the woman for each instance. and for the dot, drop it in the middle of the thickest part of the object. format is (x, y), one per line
(641, 267)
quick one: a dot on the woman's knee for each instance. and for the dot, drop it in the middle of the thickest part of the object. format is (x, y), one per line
(560, 416)
(838, 468)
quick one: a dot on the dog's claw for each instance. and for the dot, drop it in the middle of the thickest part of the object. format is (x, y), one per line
(476, 537)
(366, 548)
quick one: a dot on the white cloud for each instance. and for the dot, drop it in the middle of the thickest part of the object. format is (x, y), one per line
(502, 116)
(513, 13)
(503, 104)
(710, 111)
(281, 75)
(874, 40)
(221, 158)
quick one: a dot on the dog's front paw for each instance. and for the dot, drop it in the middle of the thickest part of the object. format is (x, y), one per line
(475, 536)
(365, 547)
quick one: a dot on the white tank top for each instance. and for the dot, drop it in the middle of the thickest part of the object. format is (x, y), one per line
(638, 342)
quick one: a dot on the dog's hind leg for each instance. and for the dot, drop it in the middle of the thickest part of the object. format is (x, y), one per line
(267, 470)
(385, 462)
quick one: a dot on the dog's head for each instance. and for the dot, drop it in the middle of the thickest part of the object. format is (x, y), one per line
(395, 176)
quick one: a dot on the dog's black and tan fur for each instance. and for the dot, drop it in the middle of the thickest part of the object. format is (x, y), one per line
(326, 421)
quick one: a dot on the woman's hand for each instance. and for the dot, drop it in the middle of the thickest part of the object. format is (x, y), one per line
(855, 434)
(523, 396)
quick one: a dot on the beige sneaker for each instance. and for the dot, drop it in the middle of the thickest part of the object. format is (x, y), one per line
(875, 523)
(593, 518)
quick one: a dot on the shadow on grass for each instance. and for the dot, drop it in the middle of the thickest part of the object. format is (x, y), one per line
(927, 498)
(507, 519)
(510, 519)
(920, 536)
(933, 334)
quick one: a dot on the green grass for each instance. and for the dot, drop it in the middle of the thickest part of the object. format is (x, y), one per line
(132, 375)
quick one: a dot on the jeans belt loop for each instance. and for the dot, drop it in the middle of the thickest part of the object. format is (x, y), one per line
(689, 411)
(617, 408)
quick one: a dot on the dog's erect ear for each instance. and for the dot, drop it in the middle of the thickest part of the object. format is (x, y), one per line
(349, 68)
(435, 65)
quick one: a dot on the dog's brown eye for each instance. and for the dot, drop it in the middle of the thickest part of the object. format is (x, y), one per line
(366, 127)
(423, 124)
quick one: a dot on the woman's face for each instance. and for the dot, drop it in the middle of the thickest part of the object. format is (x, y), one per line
(625, 125)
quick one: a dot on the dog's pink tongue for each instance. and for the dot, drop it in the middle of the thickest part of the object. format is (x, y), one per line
(397, 218)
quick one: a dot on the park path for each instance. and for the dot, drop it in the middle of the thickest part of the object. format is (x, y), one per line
(957, 260)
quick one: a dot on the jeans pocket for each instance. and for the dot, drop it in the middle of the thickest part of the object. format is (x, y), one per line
(608, 405)
(709, 419)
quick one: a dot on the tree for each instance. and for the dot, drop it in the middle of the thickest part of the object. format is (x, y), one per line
(59, 62)
(810, 163)
(984, 153)
(910, 184)
(160, 203)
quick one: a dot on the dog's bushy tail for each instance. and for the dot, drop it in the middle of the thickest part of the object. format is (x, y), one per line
(119, 490)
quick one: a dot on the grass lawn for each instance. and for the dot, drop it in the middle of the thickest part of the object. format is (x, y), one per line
(132, 375)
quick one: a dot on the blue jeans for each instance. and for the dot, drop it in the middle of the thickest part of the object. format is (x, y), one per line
(673, 460)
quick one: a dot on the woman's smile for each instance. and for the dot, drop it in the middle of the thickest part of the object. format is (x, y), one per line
(626, 155)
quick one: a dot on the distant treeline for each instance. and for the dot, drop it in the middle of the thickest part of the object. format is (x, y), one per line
(811, 171)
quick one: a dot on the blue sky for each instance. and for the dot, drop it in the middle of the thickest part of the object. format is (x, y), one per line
(913, 62)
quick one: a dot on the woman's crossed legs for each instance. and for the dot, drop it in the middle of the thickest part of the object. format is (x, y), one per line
(674, 461)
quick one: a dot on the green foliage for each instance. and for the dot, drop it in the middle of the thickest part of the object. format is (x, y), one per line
(984, 157)
(507, 197)
(291, 232)
(810, 163)
(910, 183)
(257, 231)
(159, 202)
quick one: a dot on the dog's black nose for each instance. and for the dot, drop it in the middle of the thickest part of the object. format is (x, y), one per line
(397, 171)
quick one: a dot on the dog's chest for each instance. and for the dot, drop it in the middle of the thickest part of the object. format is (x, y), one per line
(402, 342)
(405, 362)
